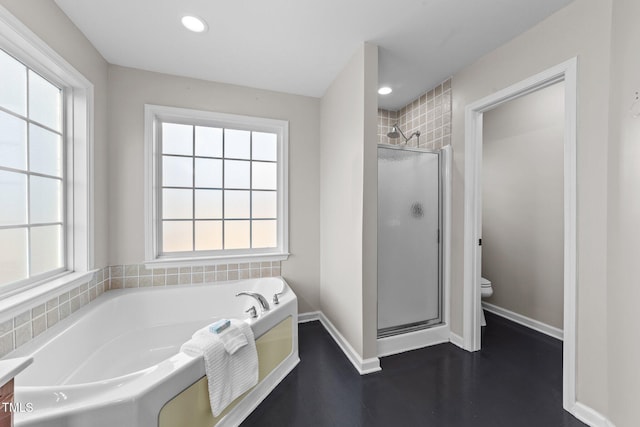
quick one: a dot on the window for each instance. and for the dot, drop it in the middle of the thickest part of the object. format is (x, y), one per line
(32, 179)
(46, 139)
(219, 187)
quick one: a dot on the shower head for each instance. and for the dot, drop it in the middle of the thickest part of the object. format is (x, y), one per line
(396, 132)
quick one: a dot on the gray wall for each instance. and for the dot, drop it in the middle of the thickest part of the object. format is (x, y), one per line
(522, 204)
(581, 29)
(623, 290)
(348, 168)
(130, 89)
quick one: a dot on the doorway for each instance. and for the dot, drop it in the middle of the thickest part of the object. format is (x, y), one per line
(522, 210)
(565, 72)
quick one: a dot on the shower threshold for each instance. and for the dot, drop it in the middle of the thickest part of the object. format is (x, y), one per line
(411, 337)
(410, 327)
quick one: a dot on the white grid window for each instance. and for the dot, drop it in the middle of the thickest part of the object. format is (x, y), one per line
(32, 175)
(220, 187)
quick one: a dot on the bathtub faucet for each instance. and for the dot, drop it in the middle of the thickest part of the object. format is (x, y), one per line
(261, 300)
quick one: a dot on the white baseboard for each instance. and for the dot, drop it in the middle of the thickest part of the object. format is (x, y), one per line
(524, 321)
(363, 366)
(456, 340)
(590, 416)
(308, 317)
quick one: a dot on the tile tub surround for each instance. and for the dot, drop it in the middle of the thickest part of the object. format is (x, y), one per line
(22, 328)
(140, 276)
(27, 325)
(430, 113)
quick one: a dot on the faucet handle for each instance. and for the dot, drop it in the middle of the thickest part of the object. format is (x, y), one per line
(252, 312)
(276, 296)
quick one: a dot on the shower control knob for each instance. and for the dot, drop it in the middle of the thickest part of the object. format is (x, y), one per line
(417, 210)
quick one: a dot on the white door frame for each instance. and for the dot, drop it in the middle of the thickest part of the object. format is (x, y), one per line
(567, 72)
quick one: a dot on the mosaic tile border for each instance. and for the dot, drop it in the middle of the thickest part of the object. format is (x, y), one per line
(139, 276)
(27, 325)
(30, 323)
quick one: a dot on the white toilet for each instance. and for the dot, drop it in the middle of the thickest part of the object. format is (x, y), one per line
(485, 291)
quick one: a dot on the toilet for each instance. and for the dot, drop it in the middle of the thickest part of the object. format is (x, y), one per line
(485, 292)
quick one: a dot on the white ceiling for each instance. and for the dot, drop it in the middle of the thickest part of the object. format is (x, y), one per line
(299, 46)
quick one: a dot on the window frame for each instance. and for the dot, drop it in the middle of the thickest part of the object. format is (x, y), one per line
(78, 104)
(155, 115)
(29, 173)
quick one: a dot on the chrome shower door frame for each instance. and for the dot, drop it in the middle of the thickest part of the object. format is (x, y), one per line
(439, 319)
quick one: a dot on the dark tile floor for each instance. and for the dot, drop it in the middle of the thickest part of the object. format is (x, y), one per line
(514, 381)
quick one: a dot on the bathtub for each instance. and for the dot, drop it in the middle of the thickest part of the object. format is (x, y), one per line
(116, 362)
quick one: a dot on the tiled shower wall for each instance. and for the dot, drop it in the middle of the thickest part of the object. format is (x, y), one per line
(22, 328)
(430, 114)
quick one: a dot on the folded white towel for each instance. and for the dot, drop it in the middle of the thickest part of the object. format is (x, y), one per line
(201, 343)
(233, 339)
(230, 372)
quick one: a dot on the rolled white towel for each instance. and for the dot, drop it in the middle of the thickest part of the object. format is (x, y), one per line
(202, 342)
(233, 339)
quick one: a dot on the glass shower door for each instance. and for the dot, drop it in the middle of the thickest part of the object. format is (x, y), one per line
(409, 290)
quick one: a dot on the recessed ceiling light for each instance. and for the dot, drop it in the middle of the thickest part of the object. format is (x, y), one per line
(193, 23)
(385, 90)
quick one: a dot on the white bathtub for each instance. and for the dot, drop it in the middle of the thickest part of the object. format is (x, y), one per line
(116, 362)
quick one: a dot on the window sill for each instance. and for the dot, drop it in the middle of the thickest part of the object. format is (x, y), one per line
(17, 303)
(198, 261)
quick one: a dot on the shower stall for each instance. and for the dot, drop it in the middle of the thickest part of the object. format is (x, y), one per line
(412, 190)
